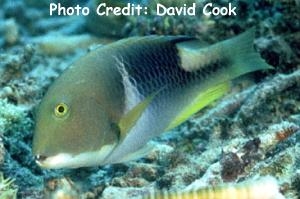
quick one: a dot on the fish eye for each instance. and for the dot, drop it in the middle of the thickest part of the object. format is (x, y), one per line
(61, 110)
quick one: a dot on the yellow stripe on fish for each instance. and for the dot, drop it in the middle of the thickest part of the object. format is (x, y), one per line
(264, 188)
(107, 105)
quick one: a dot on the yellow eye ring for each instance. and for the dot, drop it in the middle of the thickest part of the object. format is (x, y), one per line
(61, 110)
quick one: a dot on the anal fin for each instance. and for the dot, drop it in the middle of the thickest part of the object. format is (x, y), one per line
(202, 99)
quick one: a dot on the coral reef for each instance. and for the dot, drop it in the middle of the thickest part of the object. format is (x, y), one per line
(251, 132)
(48, 44)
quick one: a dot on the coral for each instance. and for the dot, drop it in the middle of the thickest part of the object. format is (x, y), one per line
(7, 188)
(60, 44)
(128, 192)
(11, 35)
(2, 151)
(277, 166)
(14, 125)
(232, 166)
(296, 184)
(278, 87)
(12, 65)
(61, 189)
(9, 116)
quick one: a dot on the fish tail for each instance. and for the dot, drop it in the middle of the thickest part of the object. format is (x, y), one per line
(215, 66)
(241, 54)
(231, 58)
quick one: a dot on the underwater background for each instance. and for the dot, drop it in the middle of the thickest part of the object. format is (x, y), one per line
(253, 131)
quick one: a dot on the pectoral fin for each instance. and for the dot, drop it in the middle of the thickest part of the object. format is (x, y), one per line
(131, 117)
(202, 100)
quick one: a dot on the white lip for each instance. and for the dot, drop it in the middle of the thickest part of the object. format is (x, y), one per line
(40, 163)
(85, 159)
(56, 162)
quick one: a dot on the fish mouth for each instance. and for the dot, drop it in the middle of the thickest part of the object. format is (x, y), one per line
(41, 160)
(54, 162)
(58, 161)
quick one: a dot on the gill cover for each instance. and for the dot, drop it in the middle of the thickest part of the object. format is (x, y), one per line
(73, 119)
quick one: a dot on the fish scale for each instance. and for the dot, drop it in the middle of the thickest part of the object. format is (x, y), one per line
(163, 68)
(153, 71)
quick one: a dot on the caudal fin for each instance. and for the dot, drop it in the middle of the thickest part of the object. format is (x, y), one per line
(236, 56)
(240, 51)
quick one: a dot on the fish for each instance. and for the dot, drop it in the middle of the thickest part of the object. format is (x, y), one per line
(251, 189)
(106, 106)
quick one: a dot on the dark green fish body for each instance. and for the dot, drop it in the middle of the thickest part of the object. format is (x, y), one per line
(110, 103)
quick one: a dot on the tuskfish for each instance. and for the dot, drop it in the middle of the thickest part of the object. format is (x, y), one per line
(106, 106)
